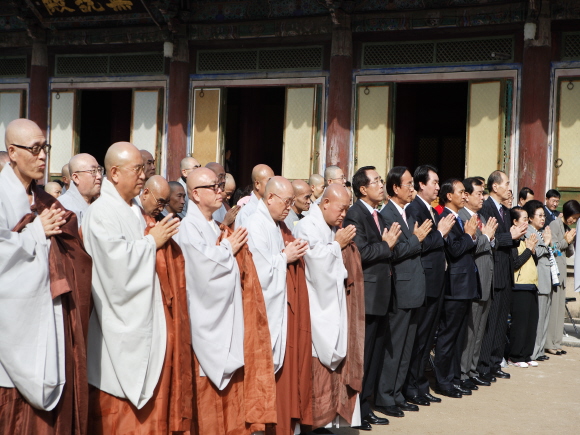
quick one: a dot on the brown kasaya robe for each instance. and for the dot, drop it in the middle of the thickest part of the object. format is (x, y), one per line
(248, 402)
(70, 269)
(170, 409)
(335, 391)
(294, 379)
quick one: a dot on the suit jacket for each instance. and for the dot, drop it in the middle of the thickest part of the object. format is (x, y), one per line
(375, 257)
(549, 216)
(483, 257)
(462, 281)
(432, 248)
(408, 273)
(503, 269)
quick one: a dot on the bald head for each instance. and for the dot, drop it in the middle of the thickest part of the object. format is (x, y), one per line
(316, 182)
(260, 176)
(334, 175)
(187, 165)
(302, 193)
(176, 198)
(230, 186)
(4, 159)
(87, 183)
(155, 195)
(53, 189)
(149, 162)
(65, 171)
(278, 197)
(334, 204)
(124, 166)
(218, 169)
(81, 162)
(207, 199)
(25, 165)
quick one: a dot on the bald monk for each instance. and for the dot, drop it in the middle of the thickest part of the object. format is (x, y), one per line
(86, 177)
(261, 174)
(155, 196)
(316, 182)
(149, 162)
(53, 189)
(336, 314)
(65, 176)
(230, 188)
(278, 259)
(187, 165)
(224, 214)
(43, 377)
(128, 333)
(176, 199)
(4, 160)
(234, 374)
(334, 175)
(302, 194)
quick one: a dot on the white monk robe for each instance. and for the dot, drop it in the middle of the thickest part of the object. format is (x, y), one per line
(31, 324)
(220, 214)
(73, 200)
(214, 297)
(325, 275)
(246, 211)
(266, 245)
(127, 329)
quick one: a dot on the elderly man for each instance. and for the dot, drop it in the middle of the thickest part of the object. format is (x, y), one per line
(224, 214)
(187, 165)
(86, 176)
(302, 193)
(129, 333)
(149, 162)
(43, 378)
(65, 176)
(261, 174)
(4, 159)
(316, 182)
(155, 196)
(336, 336)
(278, 259)
(333, 174)
(228, 321)
(176, 199)
(230, 189)
(53, 189)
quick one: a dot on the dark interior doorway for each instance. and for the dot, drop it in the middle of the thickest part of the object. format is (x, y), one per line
(254, 130)
(430, 126)
(105, 119)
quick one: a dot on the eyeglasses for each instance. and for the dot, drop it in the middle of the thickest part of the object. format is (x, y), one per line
(215, 187)
(289, 202)
(160, 202)
(339, 178)
(409, 186)
(540, 215)
(377, 182)
(137, 169)
(36, 149)
(98, 170)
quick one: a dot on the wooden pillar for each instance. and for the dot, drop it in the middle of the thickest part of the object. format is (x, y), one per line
(340, 96)
(38, 109)
(177, 108)
(535, 109)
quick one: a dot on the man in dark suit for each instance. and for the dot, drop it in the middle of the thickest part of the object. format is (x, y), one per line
(416, 387)
(409, 294)
(461, 287)
(479, 310)
(552, 202)
(375, 244)
(506, 236)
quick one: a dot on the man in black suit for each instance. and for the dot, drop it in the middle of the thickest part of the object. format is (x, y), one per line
(461, 287)
(416, 387)
(506, 237)
(552, 202)
(409, 294)
(375, 244)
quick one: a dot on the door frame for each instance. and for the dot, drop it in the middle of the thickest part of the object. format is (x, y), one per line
(461, 73)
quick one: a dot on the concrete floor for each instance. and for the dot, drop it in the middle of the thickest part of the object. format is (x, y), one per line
(536, 400)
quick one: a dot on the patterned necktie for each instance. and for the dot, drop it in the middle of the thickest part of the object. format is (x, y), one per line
(501, 213)
(376, 218)
(479, 223)
(460, 222)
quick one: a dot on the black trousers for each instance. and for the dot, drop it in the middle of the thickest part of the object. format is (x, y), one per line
(428, 316)
(375, 333)
(449, 347)
(397, 354)
(524, 309)
(494, 339)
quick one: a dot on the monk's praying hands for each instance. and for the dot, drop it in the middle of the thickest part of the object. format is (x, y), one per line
(164, 230)
(295, 250)
(52, 220)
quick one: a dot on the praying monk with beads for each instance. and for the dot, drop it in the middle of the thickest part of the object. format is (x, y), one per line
(337, 312)
(234, 374)
(278, 259)
(138, 334)
(45, 297)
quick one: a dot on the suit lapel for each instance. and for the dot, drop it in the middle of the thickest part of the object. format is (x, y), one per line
(397, 217)
(370, 219)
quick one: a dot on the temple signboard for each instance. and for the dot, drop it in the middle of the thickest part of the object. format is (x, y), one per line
(71, 8)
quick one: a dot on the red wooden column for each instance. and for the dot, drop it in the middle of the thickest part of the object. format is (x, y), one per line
(177, 108)
(340, 95)
(38, 107)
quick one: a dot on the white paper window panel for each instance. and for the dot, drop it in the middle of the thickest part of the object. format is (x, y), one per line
(9, 111)
(569, 135)
(144, 126)
(61, 129)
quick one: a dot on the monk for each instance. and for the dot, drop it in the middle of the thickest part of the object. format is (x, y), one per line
(336, 309)
(230, 189)
(316, 182)
(149, 162)
(187, 165)
(85, 186)
(234, 374)
(224, 214)
(131, 347)
(302, 194)
(261, 174)
(53, 189)
(43, 375)
(177, 198)
(278, 259)
(65, 172)
(155, 196)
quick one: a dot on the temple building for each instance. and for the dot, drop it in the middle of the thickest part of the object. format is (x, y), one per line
(467, 85)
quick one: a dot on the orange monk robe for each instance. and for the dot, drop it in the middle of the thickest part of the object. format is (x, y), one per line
(170, 410)
(70, 277)
(294, 379)
(248, 403)
(335, 392)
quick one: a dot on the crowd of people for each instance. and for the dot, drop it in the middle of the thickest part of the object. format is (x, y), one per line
(133, 305)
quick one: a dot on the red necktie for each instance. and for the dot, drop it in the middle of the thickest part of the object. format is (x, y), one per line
(376, 218)
(479, 223)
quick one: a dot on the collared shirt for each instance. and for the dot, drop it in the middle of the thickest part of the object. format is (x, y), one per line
(369, 207)
(431, 212)
(471, 213)
(497, 204)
